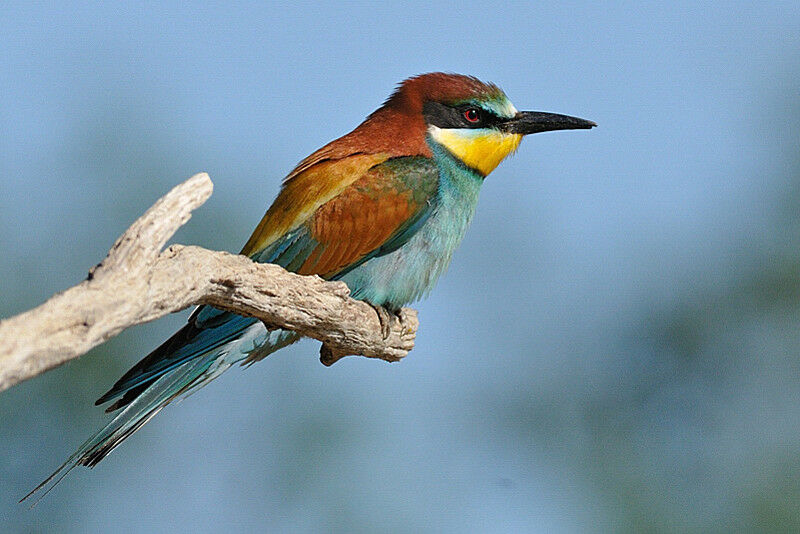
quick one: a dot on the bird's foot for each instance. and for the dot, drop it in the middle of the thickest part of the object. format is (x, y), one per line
(385, 317)
(398, 343)
(328, 356)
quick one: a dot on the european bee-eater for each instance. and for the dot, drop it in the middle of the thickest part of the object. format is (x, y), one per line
(381, 208)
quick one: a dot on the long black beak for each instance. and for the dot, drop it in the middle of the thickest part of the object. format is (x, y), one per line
(529, 122)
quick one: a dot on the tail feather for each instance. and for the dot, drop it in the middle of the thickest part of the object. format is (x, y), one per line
(179, 381)
(186, 344)
(128, 421)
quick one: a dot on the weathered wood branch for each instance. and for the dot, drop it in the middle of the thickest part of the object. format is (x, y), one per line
(139, 282)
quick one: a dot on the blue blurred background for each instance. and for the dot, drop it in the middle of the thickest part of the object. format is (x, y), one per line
(616, 347)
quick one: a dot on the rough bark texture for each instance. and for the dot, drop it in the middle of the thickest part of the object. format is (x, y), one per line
(138, 282)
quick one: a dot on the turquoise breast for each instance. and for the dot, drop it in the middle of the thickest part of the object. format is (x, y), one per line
(410, 272)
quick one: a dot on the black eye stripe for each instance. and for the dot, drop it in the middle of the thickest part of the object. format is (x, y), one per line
(444, 116)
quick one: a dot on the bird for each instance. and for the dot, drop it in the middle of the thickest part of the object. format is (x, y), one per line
(381, 208)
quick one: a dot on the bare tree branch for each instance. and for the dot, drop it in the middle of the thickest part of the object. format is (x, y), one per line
(138, 282)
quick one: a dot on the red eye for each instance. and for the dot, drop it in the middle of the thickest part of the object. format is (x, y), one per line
(472, 115)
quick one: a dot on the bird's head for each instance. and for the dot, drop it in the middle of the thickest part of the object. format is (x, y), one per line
(473, 120)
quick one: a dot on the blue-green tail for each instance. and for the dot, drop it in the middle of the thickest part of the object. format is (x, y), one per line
(195, 355)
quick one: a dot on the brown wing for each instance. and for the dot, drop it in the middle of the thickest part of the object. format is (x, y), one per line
(305, 193)
(364, 217)
(371, 216)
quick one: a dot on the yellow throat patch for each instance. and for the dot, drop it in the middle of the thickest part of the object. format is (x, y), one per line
(480, 149)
